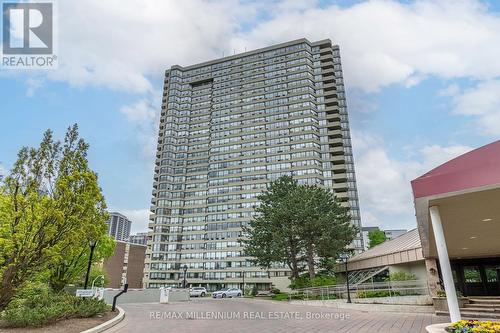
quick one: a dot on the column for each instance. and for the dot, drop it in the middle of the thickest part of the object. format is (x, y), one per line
(444, 264)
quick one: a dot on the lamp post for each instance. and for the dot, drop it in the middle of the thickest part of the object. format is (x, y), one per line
(184, 268)
(93, 244)
(345, 257)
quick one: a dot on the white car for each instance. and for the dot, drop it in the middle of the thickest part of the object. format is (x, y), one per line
(227, 292)
(197, 292)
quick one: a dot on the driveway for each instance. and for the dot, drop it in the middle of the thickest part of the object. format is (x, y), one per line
(254, 315)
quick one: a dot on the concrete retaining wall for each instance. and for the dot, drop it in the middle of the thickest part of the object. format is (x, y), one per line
(133, 296)
(341, 304)
(399, 300)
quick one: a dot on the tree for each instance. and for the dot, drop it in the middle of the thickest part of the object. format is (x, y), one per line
(72, 268)
(49, 204)
(297, 225)
(376, 237)
(325, 227)
(272, 236)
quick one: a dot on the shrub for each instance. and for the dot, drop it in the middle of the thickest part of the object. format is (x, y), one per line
(401, 276)
(275, 291)
(280, 297)
(304, 281)
(254, 291)
(38, 306)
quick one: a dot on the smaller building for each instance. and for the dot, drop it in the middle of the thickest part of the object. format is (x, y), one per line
(126, 265)
(118, 226)
(139, 238)
(401, 254)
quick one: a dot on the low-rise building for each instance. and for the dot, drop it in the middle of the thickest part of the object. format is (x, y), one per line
(126, 265)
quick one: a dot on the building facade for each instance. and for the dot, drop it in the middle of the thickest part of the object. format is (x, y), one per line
(125, 265)
(228, 127)
(139, 238)
(118, 226)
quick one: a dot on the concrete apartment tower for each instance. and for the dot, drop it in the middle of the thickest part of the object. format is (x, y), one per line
(229, 127)
(118, 226)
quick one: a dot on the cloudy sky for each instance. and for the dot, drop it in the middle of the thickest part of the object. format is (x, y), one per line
(423, 80)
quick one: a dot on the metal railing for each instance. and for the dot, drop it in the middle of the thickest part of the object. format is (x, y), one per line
(363, 290)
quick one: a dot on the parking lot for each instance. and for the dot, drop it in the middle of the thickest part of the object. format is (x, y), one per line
(256, 315)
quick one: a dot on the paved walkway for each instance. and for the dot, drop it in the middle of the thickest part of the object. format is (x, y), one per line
(249, 315)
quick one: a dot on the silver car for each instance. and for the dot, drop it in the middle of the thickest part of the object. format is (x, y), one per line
(227, 292)
(197, 292)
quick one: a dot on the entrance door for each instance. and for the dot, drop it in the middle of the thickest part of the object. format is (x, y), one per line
(474, 281)
(492, 277)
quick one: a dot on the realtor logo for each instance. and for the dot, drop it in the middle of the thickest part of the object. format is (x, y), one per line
(28, 35)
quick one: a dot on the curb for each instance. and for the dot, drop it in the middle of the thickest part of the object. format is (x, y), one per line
(108, 324)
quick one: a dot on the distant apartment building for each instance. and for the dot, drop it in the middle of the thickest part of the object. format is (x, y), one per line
(228, 128)
(139, 238)
(393, 233)
(118, 226)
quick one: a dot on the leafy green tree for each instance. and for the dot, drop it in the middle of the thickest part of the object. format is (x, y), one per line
(49, 204)
(376, 237)
(72, 268)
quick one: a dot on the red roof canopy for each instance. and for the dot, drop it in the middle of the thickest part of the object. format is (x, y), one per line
(477, 168)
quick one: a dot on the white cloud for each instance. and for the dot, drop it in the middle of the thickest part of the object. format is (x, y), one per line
(145, 115)
(386, 42)
(384, 181)
(32, 85)
(120, 44)
(482, 103)
(3, 171)
(143, 111)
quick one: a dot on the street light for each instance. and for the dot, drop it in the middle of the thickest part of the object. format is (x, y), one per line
(93, 244)
(345, 257)
(184, 268)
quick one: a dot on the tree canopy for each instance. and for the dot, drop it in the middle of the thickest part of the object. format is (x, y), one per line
(376, 237)
(50, 207)
(301, 226)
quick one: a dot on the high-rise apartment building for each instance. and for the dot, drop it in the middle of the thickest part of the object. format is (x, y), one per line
(139, 238)
(229, 127)
(118, 226)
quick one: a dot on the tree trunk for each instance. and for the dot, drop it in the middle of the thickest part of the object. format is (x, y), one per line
(310, 262)
(7, 288)
(294, 267)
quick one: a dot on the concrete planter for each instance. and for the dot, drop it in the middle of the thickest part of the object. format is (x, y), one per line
(437, 328)
(440, 303)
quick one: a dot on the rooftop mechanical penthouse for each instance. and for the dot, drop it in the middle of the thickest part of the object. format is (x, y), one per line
(229, 127)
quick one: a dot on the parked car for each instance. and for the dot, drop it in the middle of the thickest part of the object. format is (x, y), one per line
(197, 292)
(227, 292)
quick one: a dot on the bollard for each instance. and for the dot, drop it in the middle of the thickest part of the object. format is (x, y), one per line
(125, 288)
